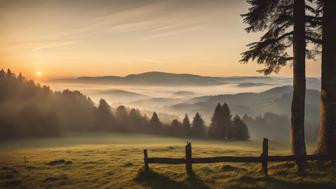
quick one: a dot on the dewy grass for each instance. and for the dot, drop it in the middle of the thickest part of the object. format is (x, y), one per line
(116, 161)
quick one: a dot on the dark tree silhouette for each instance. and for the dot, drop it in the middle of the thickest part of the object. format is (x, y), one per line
(121, 115)
(137, 122)
(227, 122)
(31, 122)
(186, 126)
(327, 133)
(155, 123)
(176, 128)
(284, 21)
(198, 128)
(220, 122)
(216, 129)
(104, 118)
(239, 130)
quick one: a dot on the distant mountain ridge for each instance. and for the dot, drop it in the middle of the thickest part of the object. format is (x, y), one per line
(118, 92)
(164, 78)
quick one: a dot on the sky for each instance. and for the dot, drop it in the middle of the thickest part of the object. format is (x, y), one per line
(62, 38)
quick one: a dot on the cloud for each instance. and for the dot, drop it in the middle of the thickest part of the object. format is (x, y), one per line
(54, 45)
(171, 32)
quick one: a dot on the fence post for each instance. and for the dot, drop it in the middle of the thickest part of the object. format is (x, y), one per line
(264, 156)
(188, 157)
(146, 160)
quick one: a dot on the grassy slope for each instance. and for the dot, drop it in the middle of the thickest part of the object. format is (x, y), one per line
(116, 160)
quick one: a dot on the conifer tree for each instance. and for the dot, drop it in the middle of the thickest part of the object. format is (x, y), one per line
(186, 126)
(227, 122)
(176, 128)
(239, 130)
(136, 121)
(121, 115)
(216, 129)
(198, 128)
(284, 22)
(155, 123)
(105, 119)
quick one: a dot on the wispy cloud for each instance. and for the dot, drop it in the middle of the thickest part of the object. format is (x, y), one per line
(171, 32)
(54, 45)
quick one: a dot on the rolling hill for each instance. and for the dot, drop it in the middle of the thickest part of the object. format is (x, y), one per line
(167, 79)
(276, 100)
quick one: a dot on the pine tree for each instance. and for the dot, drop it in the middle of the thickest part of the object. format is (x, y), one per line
(105, 119)
(239, 130)
(20, 77)
(10, 73)
(198, 128)
(227, 122)
(285, 22)
(216, 129)
(104, 107)
(136, 120)
(121, 115)
(2, 73)
(186, 126)
(155, 123)
(176, 128)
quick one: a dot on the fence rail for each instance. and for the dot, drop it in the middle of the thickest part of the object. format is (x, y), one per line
(264, 158)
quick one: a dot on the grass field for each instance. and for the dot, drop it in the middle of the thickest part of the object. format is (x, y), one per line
(116, 161)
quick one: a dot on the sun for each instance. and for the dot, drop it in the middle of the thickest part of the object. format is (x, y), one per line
(39, 73)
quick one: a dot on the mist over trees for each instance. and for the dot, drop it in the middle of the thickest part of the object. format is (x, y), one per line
(276, 127)
(198, 128)
(30, 110)
(186, 126)
(224, 127)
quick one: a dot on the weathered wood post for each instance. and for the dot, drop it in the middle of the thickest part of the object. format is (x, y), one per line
(264, 156)
(146, 160)
(188, 157)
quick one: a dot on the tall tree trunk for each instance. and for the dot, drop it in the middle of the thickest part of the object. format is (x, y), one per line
(298, 145)
(327, 134)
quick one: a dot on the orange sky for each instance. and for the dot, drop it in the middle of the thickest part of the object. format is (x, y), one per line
(108, 37)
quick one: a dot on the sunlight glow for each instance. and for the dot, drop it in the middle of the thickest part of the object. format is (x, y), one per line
(39, 73)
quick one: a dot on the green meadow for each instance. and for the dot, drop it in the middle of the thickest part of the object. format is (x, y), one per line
(116, 161)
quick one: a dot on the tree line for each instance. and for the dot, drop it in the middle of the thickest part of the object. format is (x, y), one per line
(30, 110)
(276, 127)
(307, 28)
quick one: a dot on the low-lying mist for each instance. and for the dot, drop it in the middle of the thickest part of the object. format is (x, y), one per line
(263, 102)
(129, 104)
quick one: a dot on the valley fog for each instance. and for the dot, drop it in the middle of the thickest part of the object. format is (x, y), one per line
(263, 102)
(155, 98)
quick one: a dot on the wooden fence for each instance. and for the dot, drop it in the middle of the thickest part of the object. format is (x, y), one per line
(264, 158)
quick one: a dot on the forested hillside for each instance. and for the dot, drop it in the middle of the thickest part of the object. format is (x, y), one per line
(31, 110)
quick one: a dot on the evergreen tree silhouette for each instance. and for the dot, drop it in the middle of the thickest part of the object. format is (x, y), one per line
(137, 122)
(186, 126)
(176, 128)
(227, 122)
(121, 115)
(198, 128)
(239, 130)
(284, 22)
(216, 129)
(105, 119)
(155, 123)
